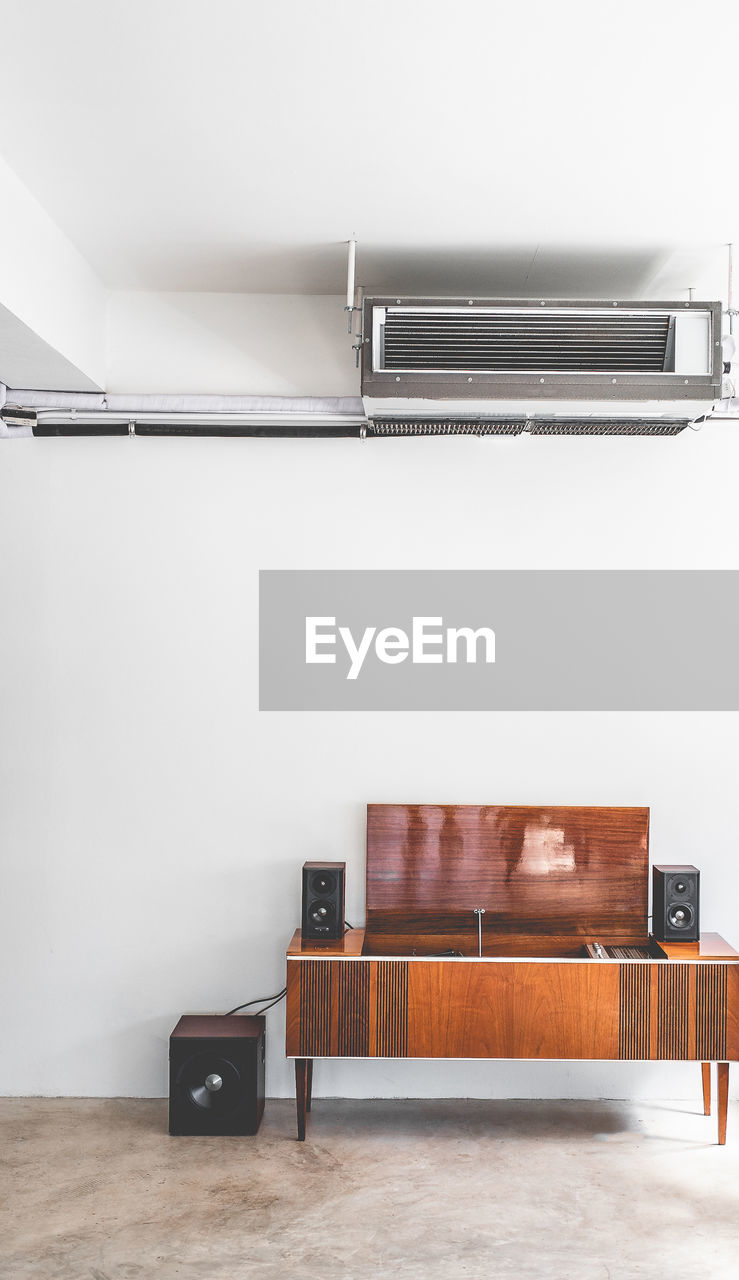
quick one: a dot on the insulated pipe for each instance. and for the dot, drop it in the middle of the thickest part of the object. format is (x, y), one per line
(350, 273)
(171, 427)
(45, 413)
(190, 404)
(730, 289)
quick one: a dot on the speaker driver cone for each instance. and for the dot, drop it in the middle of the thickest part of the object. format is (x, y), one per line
(211, 1083)
(323, 882)
(680, 915)
(322, 914)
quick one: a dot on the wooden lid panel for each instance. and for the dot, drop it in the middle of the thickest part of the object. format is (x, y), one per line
(549, 870)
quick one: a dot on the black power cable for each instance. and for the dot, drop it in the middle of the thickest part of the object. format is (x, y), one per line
(272, 1003)
(272, 1000)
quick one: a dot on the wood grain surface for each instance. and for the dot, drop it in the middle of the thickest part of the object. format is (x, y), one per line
(577, 874)
(514, 1010)
(635, 1010)
(349, 945)
(710, 946)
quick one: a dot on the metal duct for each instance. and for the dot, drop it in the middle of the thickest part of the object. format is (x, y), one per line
(449, 358)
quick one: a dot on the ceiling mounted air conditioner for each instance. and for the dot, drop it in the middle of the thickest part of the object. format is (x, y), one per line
(484, 366)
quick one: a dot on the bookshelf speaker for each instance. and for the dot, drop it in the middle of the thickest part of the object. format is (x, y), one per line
(323, 900)
(675, 903)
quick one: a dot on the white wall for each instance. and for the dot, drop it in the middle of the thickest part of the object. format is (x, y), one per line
(52, 293)
(232, 343)
(154, 822)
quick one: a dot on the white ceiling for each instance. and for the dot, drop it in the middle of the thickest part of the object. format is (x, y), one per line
(233, 145)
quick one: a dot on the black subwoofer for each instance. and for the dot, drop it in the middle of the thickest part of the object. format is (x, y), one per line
(676, 903)
(323, 900)
(216, 1074)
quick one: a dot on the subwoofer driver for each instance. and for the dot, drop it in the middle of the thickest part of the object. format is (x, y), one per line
(211, 1083)
(216, 1074)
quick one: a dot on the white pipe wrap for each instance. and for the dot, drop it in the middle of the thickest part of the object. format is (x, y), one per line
(96, 401)
(350, 272)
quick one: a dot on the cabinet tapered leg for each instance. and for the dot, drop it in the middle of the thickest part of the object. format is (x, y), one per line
(723, 1100)
(706, 1077)
(301, 1093)
(309, 1085)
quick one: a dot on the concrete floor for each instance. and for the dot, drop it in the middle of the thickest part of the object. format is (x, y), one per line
(96, 1190)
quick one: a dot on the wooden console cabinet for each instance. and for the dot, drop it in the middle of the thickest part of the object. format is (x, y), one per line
(533, 992)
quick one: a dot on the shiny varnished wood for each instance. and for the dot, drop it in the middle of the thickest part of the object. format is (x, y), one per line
(301, 1093)
(513, 1010)
(350, 945)
(551, 880)
(576, 873)
(706, 1082)
(658, 1009)
(638, 1010)
(722, 1097)
(710, 946)
(634, 1011)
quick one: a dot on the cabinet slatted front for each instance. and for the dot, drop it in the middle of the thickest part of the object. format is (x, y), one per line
(567, 1009)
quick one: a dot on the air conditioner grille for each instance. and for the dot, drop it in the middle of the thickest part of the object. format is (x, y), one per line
(606, 426)
(398, 426)
(408, 426)
(527, 342)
